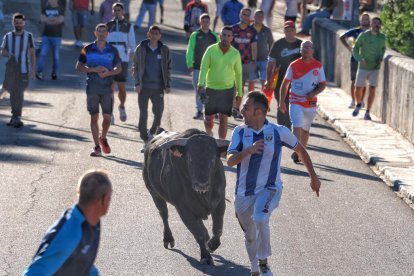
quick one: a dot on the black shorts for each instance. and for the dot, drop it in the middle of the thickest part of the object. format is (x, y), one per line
(122, 77)
(93, 101)
(354, 69)
(219, 101)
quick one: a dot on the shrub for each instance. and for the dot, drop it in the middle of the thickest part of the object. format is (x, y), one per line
(397, 19)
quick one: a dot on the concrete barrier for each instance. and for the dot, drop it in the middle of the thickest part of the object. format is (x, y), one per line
(394, 101)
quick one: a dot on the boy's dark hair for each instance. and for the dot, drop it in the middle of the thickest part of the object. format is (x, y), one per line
(19, 16)
(154, 27)
(118, 4)
(227, 28)
(377, 18)
(259, 101)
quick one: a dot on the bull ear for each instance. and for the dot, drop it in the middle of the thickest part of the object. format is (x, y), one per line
(222, 146)
(176, 142)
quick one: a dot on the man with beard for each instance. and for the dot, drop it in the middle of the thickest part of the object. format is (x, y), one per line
(18, 45)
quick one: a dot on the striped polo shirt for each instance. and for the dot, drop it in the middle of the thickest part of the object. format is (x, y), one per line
(259, 171)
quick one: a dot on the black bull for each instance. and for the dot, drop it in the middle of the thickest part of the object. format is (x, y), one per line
(186, 171)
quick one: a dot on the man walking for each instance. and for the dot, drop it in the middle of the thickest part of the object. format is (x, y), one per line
(230, 12)
(264, 42)
(353, 33)
(152, 75)
(101, 62)
(52, 16)
(245, 40)
(70, 246)
(220, 77)
(307, 79)
(18, 45)
(369, 51)
(256, 148)
(149, 6)
(282, 53)
(199, 41)
(80, 10)
(122, 37)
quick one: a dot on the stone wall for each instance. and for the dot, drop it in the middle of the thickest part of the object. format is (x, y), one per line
(394, 101)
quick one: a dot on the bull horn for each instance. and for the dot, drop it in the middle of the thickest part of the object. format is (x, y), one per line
(175, 142)
(222, 143)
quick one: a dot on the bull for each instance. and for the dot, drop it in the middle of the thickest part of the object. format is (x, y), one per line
(185, 170)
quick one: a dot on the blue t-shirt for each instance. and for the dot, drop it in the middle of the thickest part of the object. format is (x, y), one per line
(260, 171)
(69, 247)
(354, 33)
(91, 56)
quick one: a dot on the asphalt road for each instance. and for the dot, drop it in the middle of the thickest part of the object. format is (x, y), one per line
(357, 226)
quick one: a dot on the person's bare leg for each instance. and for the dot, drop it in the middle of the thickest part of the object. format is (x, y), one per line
(371, 97)
(358, 94)
(237, 102)
(106, 123)
(95, 128)
(251, 85)
(223, 126)
(208, 124)
(122, 94)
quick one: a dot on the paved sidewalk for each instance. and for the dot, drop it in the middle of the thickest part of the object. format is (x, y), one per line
(389, 154)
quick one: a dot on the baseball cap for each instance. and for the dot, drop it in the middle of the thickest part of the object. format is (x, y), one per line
(289, 24)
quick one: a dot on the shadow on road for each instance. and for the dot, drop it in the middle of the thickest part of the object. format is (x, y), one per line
(124, 161)
(333, 152)
(349, 173)
(223, 267)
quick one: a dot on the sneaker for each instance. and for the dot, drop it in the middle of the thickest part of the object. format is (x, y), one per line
(295, 158)
(39, 75)
(105, 146)
(236, 114)
(356, 110)
(17, 122)
(12, 119)
(54, 76)
(265, 268)
(367, 116)
(352, 104)
(198, 116)
(112, 119)
(96, 151)
(122, 114)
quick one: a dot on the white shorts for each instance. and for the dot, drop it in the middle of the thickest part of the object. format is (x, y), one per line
(302, 117)
(258, 206)
(362, 75)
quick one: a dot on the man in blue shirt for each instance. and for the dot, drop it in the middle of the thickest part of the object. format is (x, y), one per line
(101, 62)
(256, 149)
(230, 12)
(70, 246)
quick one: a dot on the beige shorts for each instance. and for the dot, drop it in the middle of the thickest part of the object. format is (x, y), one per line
(363, 75)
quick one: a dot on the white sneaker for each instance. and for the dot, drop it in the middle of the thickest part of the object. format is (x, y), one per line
(265, 270)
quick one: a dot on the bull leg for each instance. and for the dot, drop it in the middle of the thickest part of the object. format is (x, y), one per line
(163, 209)
(200, 234)
(217, 215)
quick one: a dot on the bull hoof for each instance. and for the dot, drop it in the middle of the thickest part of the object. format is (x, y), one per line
(213, 244)
(207, 261)
(171, 243)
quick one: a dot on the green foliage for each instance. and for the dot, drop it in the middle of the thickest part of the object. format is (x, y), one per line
(397, 19)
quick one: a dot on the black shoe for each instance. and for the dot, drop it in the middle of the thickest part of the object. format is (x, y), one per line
(39, 76)
(236, 114)
(17, 122)
(54, 76)
(295, 158)
(12, 120)
(198, 116)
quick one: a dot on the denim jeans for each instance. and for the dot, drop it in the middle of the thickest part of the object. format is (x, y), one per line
(151, 8)
(199, 104)
(54, 42)
(307, 25)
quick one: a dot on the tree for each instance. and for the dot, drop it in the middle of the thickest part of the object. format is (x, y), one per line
(397, 19)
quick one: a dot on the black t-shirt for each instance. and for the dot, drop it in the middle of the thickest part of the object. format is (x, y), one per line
(284, 53)
(53, 12)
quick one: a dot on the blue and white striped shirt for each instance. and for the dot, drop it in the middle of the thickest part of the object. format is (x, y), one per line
(259, 171)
